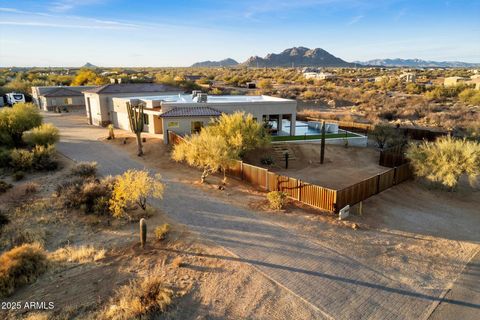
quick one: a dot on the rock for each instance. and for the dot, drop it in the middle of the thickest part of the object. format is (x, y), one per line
(355, 226)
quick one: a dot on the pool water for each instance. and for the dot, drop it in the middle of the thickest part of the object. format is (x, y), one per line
(301, 128)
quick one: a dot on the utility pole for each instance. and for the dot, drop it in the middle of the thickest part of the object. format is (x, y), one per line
(286, 159)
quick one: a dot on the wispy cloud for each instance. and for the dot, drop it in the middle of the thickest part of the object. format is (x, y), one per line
(68, 5)
(60, 25)
(355, 20)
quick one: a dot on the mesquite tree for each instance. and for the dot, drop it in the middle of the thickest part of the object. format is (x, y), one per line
(135, 116)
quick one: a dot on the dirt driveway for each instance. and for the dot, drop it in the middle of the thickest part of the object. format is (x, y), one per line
(342, 273)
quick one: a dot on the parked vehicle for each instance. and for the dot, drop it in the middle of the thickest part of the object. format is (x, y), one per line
(14, 97)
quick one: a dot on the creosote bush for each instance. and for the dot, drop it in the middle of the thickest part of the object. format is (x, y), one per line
(84, 169)
(21, 265)
(162, 231)
(46, 134)
(139, 299)
(446, 160)
(21, 160)
(4, 186)
(277, 199)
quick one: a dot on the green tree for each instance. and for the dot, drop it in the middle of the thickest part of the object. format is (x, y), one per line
(241, 132)
(208, 152)
(385, 135)
(446, 160)
(16, 120)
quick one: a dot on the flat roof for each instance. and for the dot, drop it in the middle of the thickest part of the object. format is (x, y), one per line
(188, 98)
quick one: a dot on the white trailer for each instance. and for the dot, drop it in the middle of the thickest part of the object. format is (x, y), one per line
(15, 97)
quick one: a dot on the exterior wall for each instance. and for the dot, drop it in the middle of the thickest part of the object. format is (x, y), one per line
(257, 109)
(453, 81)
(49, 103)
(184, 125)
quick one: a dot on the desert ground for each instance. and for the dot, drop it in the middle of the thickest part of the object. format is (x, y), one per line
(242, 260)
(342, 166)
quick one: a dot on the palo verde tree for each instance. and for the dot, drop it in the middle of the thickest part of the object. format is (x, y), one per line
(134, 187)
(135, 117)
(208, 152)
(386, 135)
(241, 132)
(446, 160)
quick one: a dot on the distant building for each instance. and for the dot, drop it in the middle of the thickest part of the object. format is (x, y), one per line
(319, 75)
(49, 97)
(193, 78)
(251, 85)
(408, 77)
(381, 78)
(453, 81)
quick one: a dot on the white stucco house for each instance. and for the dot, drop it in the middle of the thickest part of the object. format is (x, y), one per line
(188, 113)
(99, 100)
(49, 97)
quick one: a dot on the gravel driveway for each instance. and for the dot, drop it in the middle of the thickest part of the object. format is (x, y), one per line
(335, 285)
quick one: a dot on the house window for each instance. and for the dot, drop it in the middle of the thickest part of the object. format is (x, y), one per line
(173, 124)
(145, 119)
(54, 102)
(197, 126)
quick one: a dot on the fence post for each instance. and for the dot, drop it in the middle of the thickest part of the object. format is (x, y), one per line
(378, 184)
(241, 169)
(395, 172)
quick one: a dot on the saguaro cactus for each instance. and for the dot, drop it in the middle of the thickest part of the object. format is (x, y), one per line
(135, 116)
(143, 232)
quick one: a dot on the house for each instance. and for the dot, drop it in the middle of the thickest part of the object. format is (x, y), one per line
(188, 113)
(408, 77)
(99, 103)
(49, 97)
(319, 75)
(453, 81)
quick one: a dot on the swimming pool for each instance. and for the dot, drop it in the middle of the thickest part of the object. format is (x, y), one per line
(301, 128)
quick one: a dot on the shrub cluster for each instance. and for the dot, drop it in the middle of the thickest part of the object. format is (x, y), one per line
(140, 299)
(4, 186)
(21, 265)
(277, 199)
(84, 169)
(44, 135)
(162, 231)
(39, 158)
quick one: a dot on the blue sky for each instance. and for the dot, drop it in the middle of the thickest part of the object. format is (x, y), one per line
(180, 32)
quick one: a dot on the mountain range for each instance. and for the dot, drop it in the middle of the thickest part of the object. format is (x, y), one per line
(417, 63)
(305, 57)
(229, 62)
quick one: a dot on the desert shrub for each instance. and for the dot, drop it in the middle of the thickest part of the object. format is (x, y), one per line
(18, 175)
(446, 160)
(4, 186)
(80, 254)
(45, 134)
(93, 195)
(44, 157)
(277, 199)
(21, 265)
(31, 187)
(139, 299)
(3, 219)
(177, 262)
(162, 231)
(386, 135)
(68, 193)
(85, 169)
(470, 96)
(21, 160)
(133, 188)
(4, 158)
(16, 120)
(268, 160)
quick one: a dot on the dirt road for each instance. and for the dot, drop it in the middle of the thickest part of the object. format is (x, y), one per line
(333, 279)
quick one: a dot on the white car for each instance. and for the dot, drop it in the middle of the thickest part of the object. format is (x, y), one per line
(15, 97)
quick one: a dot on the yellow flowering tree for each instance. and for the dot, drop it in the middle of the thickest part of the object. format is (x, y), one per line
(134, 187)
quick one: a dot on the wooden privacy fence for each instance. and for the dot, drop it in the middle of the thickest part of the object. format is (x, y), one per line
(371, 186)
(393, 157)
(313, 195)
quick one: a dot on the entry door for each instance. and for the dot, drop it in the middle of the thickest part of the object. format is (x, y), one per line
(197, 126)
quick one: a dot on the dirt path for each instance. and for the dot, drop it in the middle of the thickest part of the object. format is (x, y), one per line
(333, 281)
